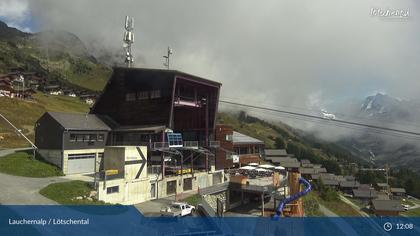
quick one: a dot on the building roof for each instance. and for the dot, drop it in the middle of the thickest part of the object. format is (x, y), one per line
(382, 196)
(172, 72)
(330, 182)
(315, 176)
(276, 152)
(79, 121)
(282, 160)
(364, 193)
(305, 161)
(397, 190)
(382, 185)
(350, 178)
(387, 205)
(290, 164)
(349, 184)
(308, 165)
(239, 138)
(308, 171)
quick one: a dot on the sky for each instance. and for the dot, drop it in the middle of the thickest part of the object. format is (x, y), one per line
(301, 54)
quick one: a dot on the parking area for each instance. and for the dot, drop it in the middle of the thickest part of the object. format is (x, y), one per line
(153, 207)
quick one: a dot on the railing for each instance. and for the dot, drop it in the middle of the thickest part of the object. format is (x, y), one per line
(160, 145)
(154, 170)
(214, 144)
(191, 144)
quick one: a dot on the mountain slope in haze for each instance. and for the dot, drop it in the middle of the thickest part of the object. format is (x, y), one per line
(396, 150)
(57, 55)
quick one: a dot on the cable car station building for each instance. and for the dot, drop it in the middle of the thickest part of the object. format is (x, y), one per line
(157, 131)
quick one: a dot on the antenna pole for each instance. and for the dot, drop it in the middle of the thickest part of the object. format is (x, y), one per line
(128, 40)
(167, 58)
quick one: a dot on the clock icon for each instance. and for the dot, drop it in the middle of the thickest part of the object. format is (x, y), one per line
(387, 226)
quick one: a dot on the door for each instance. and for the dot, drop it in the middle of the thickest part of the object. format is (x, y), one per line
(81, 163)
(153, 190)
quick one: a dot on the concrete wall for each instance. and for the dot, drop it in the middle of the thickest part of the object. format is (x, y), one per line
(200, 180)
(51, 156)
(135, 188)
(130, 192)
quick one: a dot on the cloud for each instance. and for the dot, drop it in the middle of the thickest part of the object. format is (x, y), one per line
(297, 55)
(15, 13)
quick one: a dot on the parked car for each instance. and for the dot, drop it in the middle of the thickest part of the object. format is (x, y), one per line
(405, 207)
(177, 209)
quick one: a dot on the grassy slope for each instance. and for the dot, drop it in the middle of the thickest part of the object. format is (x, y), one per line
(24, 114)
(337, 206)
(22, 164)
(64, 66)
(65, 193)
(256, 130)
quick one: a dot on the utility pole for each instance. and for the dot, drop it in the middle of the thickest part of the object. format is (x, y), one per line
(19, 132)
(167, 58)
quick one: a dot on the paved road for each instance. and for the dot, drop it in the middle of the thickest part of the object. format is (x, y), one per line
(17, 190)
(4, 152)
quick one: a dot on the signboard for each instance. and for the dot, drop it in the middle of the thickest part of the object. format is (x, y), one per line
(114, 162)
(111, 172)
(235, 158)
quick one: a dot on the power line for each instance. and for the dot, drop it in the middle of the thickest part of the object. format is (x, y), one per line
(406, 124)
(313, 117)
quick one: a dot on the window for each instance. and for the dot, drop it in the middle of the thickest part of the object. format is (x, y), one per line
(155, 94)
(229, 137)
(79, 138)
(72, 138)
(142, 95)
(114, 189)
(130, 97)
(81, 156)
(100, 137)
(86, 137)
(92, 137)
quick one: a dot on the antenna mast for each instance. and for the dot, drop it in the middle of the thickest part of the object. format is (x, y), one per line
(128, 40)
(167, 57)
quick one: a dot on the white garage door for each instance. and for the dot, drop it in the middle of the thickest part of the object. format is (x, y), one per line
(81, 163)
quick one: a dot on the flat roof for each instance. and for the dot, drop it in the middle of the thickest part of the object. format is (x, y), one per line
(174, 72)
(239, 138)
(153, 128)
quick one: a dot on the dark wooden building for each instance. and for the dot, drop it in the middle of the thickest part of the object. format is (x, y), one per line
(74, 142)
(138, 99)
(142, 107)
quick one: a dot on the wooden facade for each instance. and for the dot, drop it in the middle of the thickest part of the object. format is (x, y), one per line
(181, 102)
